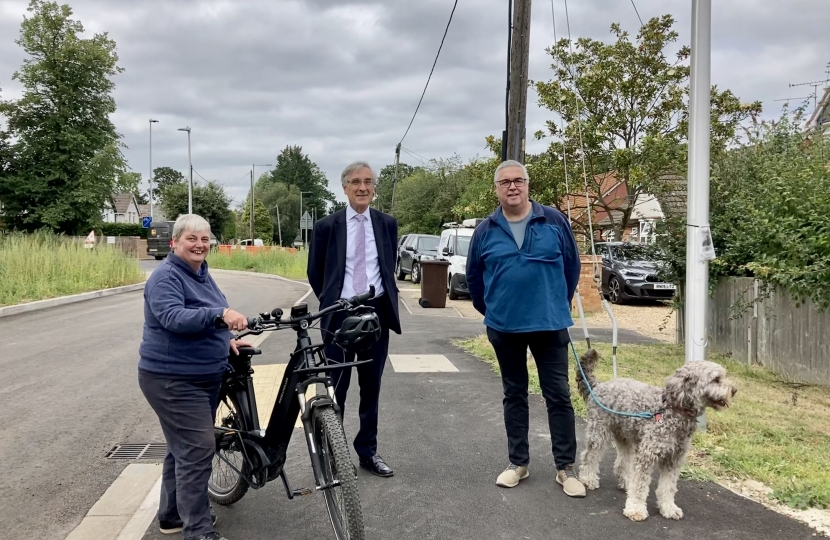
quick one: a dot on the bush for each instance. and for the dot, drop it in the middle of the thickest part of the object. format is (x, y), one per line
(123, 229)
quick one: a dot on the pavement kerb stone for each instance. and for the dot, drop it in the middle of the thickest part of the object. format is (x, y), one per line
(63, 300)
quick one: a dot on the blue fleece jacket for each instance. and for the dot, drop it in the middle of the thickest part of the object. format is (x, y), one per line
(528, 289)
(180, 306)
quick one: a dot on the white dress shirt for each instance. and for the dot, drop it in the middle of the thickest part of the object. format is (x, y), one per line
(372, 262)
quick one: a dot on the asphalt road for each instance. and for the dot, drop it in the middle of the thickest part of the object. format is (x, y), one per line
(69, 393)
(443, 434)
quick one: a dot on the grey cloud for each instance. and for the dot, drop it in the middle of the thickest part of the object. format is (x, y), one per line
(342, 78)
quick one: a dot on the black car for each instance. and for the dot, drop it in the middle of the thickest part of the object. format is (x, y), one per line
(629, 272)
(412, 249)
(160, 239)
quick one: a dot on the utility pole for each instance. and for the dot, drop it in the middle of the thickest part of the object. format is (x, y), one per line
(395, 181)
(517, 94)
(190, 184)
(507, 91)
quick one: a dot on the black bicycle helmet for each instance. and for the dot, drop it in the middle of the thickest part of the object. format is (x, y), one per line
(359, 331)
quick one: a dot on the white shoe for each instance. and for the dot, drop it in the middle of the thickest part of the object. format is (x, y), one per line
(512, 475)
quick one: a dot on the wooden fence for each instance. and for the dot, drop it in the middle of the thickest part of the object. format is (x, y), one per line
(770, 329)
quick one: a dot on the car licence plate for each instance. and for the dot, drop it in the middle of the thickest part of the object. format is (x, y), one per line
(665, 286)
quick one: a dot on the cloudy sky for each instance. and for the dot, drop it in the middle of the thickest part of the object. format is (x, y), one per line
(342, 78)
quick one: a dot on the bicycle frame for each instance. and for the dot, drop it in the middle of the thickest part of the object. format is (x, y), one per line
(308, 365)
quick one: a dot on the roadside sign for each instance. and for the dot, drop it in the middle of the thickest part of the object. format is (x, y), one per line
(146, 221)
(89, 242)
(305, 221)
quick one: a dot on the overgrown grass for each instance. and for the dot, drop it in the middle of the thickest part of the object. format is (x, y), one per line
(281, 263)
(775, 432)
(40, 266)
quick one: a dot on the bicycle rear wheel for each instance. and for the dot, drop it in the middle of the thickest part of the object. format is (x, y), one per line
(226, 486)
(342, 498)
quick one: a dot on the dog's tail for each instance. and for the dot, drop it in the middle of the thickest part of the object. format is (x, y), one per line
(588, 361)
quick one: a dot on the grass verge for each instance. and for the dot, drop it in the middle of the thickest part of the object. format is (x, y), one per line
(776, 433)
(41, 266)
(280, 263)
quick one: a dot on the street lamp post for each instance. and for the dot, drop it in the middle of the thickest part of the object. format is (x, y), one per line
(190, 183)
(253, 172)
(151, 166)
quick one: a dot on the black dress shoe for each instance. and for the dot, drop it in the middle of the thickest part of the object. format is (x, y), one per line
(376, 466)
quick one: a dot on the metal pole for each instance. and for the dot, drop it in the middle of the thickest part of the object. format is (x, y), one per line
(190, 186)
(279, 227)
(252, 206)
(395, 181)
(151, 167)
(301, 219)
(697, 228)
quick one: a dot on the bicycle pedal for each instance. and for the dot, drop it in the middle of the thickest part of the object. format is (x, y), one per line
(302, 492)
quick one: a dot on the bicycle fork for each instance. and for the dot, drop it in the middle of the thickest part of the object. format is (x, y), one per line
(306, 410)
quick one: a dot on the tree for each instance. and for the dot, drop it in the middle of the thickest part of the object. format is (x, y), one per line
(209, 201)
(386, 181)
(164, 177)
(229, 227)
(296, 169)
(66, 156)
(427, 199)
(337, 205)
(287, 198)
(630, 122)
(263, 227)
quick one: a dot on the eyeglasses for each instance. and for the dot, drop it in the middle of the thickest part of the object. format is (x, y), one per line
(356, 182)
(518, 182)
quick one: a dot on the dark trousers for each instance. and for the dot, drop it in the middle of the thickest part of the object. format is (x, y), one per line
(550, 350)
(186, 410)
(368, 376)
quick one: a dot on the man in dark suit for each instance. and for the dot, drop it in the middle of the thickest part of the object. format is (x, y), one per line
(350, 250)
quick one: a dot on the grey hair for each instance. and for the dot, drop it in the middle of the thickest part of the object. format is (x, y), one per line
(510, 163)
(353, 168)
(189, 222)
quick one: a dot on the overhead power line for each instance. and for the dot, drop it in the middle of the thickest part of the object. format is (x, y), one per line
(637, 12)
(431, 71)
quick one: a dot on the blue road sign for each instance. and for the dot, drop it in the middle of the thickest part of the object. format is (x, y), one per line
(146, 221)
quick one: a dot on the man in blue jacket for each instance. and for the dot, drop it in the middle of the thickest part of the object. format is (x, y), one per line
(522, 271)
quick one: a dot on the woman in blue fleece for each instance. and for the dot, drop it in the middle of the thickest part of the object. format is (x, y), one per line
(183, 358)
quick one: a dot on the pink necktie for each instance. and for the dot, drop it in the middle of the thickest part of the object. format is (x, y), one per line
(360, 278)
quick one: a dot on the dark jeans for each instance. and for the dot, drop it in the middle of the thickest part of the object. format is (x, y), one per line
(186, 410)
(368, 376)
(550, 350)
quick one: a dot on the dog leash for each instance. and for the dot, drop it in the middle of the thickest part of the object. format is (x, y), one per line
(647, 415)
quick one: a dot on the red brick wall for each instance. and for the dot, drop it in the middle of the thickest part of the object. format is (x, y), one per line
(591, 300)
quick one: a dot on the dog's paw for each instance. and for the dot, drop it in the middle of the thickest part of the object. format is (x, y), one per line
(590, 482)
(636, 512)
(671, 512)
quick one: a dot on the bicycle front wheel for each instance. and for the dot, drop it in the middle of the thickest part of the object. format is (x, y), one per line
(226, 486)
(342, 497)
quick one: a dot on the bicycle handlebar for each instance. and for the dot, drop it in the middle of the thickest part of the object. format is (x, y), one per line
(256, 325)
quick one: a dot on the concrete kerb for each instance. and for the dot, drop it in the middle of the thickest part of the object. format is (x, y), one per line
(91, 295)
(62, 300)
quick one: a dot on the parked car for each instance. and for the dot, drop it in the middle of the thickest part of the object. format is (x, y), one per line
(453, 247)
(629, 272)
(412, 249)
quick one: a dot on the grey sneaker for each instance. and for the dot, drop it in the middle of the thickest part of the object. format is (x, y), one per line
(208, 536)
(570, 484)
(512, 475)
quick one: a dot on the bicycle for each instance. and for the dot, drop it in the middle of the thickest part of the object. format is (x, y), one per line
(259, 454)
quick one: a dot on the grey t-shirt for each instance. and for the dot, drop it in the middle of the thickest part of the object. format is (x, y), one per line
(518, 229)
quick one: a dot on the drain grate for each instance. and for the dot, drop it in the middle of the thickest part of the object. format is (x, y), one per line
(138, 451)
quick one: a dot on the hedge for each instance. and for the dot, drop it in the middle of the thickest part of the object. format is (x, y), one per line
(123, 229)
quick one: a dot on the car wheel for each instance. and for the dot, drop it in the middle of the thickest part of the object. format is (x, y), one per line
(615, 292)
(399, 271)
(453, 294)
(416, 273)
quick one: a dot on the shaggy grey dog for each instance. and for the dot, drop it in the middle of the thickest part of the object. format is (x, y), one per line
(645, 443)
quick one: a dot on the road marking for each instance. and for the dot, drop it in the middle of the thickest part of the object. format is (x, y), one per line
(119, 504)
(421, 363)
(267, 380)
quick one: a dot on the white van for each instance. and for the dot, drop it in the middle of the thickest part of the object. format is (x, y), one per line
(453, 247)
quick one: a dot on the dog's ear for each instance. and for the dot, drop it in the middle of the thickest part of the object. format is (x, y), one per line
(680, 389)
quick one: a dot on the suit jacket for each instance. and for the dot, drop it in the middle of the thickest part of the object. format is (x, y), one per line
(327, 260)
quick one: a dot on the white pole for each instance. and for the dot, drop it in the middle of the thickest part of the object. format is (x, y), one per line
(151, 167)
(698, 249)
